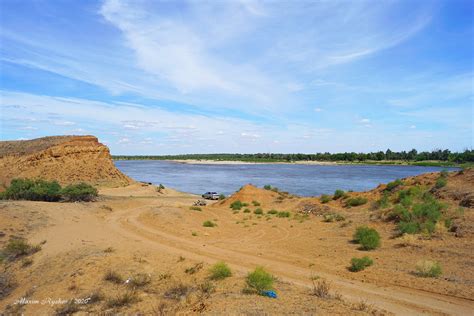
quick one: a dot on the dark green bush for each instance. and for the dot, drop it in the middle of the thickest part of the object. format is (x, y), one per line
(394, 184)
(283, 214)
(325, 198)
(258, 211)
(79, 192)
(209, 224)
(368, 238)
(383, 202)
(259, 280)
(356, 201)
(236, 205)
(255, 203)
(441, 182)
(359, 264)
(272, 212)
(267, 187)
(33, 190)
(338, 194)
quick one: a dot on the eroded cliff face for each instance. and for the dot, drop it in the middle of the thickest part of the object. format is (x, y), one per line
(67, 159)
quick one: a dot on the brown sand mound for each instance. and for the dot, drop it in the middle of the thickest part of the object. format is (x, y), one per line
(67, 159)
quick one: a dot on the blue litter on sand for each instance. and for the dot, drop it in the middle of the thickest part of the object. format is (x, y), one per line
(271, 294)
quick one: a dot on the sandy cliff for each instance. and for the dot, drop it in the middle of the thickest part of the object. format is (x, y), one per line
(67, 159)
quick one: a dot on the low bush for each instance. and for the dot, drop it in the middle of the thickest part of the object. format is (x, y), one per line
(368, 238)
(33, 190)
(177, 291)
(236, 205)
(441, 182)
(283, 214)
(219, 271)
(79, 192)
(124, 299)
(255, 203)
(325, 198)
(221, 196)
(113, 277)
(383, 202)
(338, 194)
(17, 248)
(359, 264)
(333, 217)
(139, 280)
(195, 208)
(267, 187)
(247, 210)
(423, 218)
(258, 211)
(209, 224)
(356, 201)
(320, 288)
(394, 184)
(428, 269)
(259, 280)
(272, 212)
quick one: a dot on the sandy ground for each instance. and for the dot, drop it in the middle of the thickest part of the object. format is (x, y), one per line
(136, 230)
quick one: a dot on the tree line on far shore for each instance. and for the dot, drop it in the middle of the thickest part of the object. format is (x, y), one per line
(413, 155)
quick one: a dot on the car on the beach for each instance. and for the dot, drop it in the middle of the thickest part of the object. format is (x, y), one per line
(211, 195)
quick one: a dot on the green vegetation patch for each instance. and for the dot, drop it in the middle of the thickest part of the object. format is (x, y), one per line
(338, 194)
(393, 185)
(325, 198)
(283, 214)
(33, 190)
(356, 201)
(368, 238)
(236, 205)
(219, 271)
(272, 212)
(333, 217)
(258, 281)
(258, 211)
(209, 224)
(359, 264)
(428, 269)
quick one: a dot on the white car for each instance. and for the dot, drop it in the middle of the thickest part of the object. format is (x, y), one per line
(211, 195)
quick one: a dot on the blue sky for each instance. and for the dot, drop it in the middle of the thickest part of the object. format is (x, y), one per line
(168, 77)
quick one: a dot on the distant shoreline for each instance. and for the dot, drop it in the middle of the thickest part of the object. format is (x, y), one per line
(312, 162)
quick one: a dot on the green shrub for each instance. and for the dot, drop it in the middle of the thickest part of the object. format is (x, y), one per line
(383, 202)
(283, 214)
(408, 227)
(333, 217)
(441, 182)
(259, 280)
(272, 212)
(368, 238)
(79, 192)
(359, 264)
(17, 248)
(428, 269)
(325, 198)
(338, 194)
(255, 203)
(258, 211)
(394, 184)
(247, 210)
(219, 271)
(236, 205)
(209, 224)
(195, 208)
(33, 190)
(267, 187)
(356, 201)
(221, 196)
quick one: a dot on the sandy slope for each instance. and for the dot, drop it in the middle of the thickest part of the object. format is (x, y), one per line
(151, 233)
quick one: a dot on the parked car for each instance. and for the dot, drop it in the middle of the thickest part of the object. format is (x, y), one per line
(211, 195)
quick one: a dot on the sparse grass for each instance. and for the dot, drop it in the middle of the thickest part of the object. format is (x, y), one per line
(441, 182)
(16, 248)
(7, 284)
(113, 277)
(428, 269)
(209, 224)
(124, 299)
(177, 291)
(325, 198)
(333, 217)
(338, 194)
(255, 203)
(139, 280)
(359, 264)
(219, 271)
(368, 238)
(320, 288)
(195, 268)
(206, 289)
(259, 280)
(67, 309)
(356, 201)
(383, 202)
(236, 205)
(195, 208)
(258, 211)
(283, 214)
